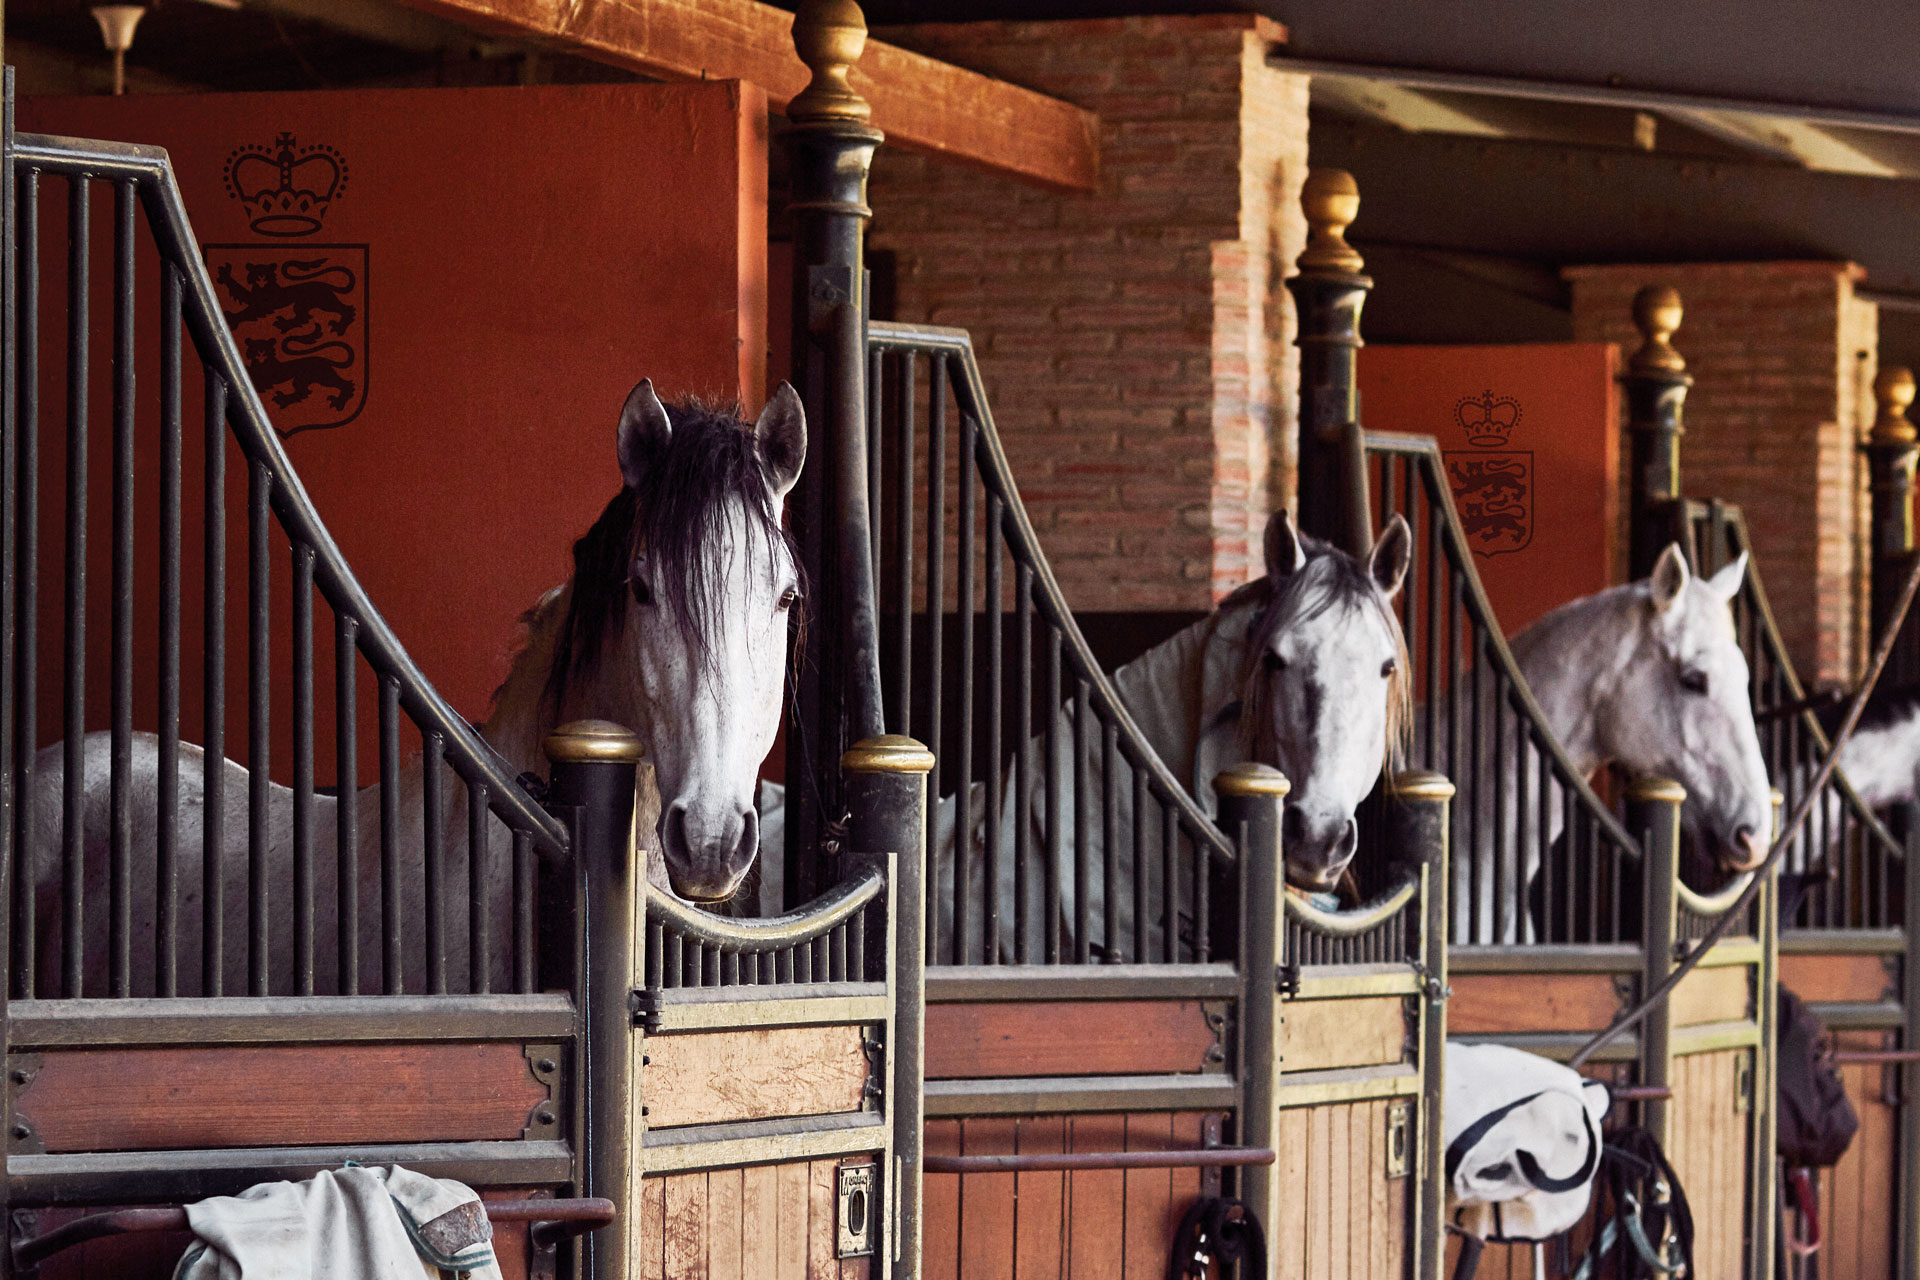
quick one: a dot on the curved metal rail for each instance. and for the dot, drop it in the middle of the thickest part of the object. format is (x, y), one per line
(827, 940)
(1354, 921)
(765, 933)
(1478, 710)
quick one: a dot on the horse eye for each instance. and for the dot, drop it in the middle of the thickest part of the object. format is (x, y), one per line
(642, 593)
(1275, 663)
(788, 599)
(1386, 669)
(1693, 681)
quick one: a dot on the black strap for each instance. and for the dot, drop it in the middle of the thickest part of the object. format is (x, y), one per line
(1218, 1230)
(1470, 1138)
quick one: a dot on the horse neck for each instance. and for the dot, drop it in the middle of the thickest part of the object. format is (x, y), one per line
(1172, 688)
(523, 715)
(1882, 762)
(1571, 659)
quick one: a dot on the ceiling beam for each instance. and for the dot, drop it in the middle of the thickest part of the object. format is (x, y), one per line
(1795, 141)
(922, 104)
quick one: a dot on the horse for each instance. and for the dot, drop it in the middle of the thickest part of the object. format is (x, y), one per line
(674, 623)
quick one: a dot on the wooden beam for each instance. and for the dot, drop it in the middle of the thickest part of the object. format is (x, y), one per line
(922, 104)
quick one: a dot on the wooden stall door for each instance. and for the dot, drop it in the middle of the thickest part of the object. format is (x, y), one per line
(1711, 1122)
(761, 1222)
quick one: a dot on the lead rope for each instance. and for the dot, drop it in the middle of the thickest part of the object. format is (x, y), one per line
(1217, 1230)
(1703, 945)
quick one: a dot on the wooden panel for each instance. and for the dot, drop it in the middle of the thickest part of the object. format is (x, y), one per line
(650, 1262)
(1042, 1197)
(1713, 995)
(940, 1205)
(1066, 1038)
(161, 1099)
(1857, 1195)
(986, 1245)
(1096, 1202)
(1493, 1002)
(725, 1193)
(1287, 1238)
(1709, 1153)
(767, 1222)
(685, 1232)
(1818, 979)
(709, 1077)
(791, 1196)
(760, 1222)
(1316, 1034)
(920, 103)
(1149, 1192)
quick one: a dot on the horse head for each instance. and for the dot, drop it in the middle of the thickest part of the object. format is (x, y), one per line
(1325, 689)
(1678, 706)
(678, 618)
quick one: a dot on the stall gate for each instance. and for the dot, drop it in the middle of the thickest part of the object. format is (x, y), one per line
(199, 1002)
(1097, 1059)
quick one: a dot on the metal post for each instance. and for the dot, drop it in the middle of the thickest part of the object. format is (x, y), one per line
(1328, 293)
(1656, 383)
(1653, 813)
(1906, 820)
(1250, 799)
(593, 791)
(887, 793)
(1891, 454)
(1763, 1159)
(1418, 828)
(837, 700)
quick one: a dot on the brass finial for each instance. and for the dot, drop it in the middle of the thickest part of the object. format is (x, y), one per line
(594, 740)
(829, 36)
(1893, 393)
(1656, 313)
(1331, 200)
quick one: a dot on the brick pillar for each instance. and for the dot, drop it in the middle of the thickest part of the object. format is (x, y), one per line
(1135, 341)
(1783, 360)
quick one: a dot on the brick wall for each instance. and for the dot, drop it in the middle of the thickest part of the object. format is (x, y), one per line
(1782, 355)
(1135, 341)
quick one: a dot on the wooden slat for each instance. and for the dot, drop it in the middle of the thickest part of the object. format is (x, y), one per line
(1339, 1187)
(1096, 1202)
(1288, 1243)
(1148, 1194)
(1713, 995)
(686, 1226)
(1189, 1130)
(821, 1263)
(1318, 1034)
(760, 1221)
(921, 103)
(1042, 1198)
(1361, 1118)
(1066, 1038)
(791, 1193)
(1385, 1227)
(1319, 1190)
(710, 1077)
(165, 1099)
(1818, 979)
(986, 1245)
(940, 1205)
(652, 1261)
(1484, 1003)
(725, 1192)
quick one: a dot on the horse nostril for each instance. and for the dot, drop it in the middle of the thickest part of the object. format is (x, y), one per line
(1749, 849)
(673, 830)
(749, 843)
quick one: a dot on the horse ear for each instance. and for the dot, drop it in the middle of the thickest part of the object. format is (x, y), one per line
(782, 432)
(645, 430)
(1670, 577)
(1726, 583)
(1285, 555)
(1392, 553)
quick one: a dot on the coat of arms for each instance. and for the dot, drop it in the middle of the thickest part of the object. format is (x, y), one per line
(298, 309)
(1492, 484)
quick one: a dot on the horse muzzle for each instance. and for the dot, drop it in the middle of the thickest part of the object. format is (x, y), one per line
(1316, 859)
(708, 853)
(1747, 850)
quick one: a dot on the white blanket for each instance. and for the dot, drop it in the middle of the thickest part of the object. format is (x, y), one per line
(1523, 1141)
(354, 1223)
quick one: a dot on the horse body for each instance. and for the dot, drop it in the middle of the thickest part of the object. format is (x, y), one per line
(689, 655)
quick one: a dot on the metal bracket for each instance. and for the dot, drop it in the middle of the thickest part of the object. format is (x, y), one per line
(1743, 1082)
(1219, 1018)
(1286, 980)
(1399, 1138)
(23, 1138)
(874, 1091)
(645, 1004)
(543, 1122)
(1210, 1137)
(543, 1261)
(1624, 989)
(854, 1210)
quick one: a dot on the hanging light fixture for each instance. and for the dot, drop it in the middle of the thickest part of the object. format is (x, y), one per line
(117, 22)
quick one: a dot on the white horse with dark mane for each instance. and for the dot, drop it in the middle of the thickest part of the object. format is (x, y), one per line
(674, 623)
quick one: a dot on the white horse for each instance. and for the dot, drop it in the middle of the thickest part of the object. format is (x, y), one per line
(674, 623)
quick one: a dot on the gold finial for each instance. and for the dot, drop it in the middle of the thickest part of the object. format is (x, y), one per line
(888, 753)
(1331, 200)
(593, 740)
(829, 36)
(1652, 789)
(1251, 780)
(1656, 313)
(1893, 393)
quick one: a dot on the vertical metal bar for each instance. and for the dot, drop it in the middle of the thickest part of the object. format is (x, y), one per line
(1170, 879)
(936, 621)
(1906, 830)
(904, 393)
(167, 792)
(346, 777)
(523, 971)
(876, 365)
(1082, 821)
(1023, 763)
(1140, 908)
(1543, 801)
(72, 814)
(303, 768)
(995, 554)
(1496, 880)
(1109, 844)
(480, 894)
(1654, 810)
(259, 740)
(963, 784)
(214, 689)
(1432, 629)
(390, 940)
(1202, 899)
(27, 576)
(433, 781)
(1054, 852)
(120, 775)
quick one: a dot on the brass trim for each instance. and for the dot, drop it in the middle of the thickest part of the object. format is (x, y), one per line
(829, 36)
(1421, 784)
(1657, 313)
(1646, 789)
(1893, 391)
(1251, 780)
(594, 740)
(1352, 923)
(1331, 200)
(888, 753)
(1712, 906)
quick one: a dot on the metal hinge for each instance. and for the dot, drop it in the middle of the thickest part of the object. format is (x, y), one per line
(875, 1049)
(646, 1005)
(1743, 1082)
(1286, 980)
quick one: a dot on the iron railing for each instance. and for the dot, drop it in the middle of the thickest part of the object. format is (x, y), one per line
(828, 940)
(434, 909)
(1845, 854)
(1538, 857)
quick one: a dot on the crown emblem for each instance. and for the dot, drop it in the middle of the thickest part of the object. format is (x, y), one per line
(285, 190)
(1488, 419)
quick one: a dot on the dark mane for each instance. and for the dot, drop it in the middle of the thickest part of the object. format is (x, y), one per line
(677, 516)
(1888, 704)
(1330, 578)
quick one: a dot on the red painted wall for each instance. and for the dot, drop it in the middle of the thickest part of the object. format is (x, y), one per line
(521, 258)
